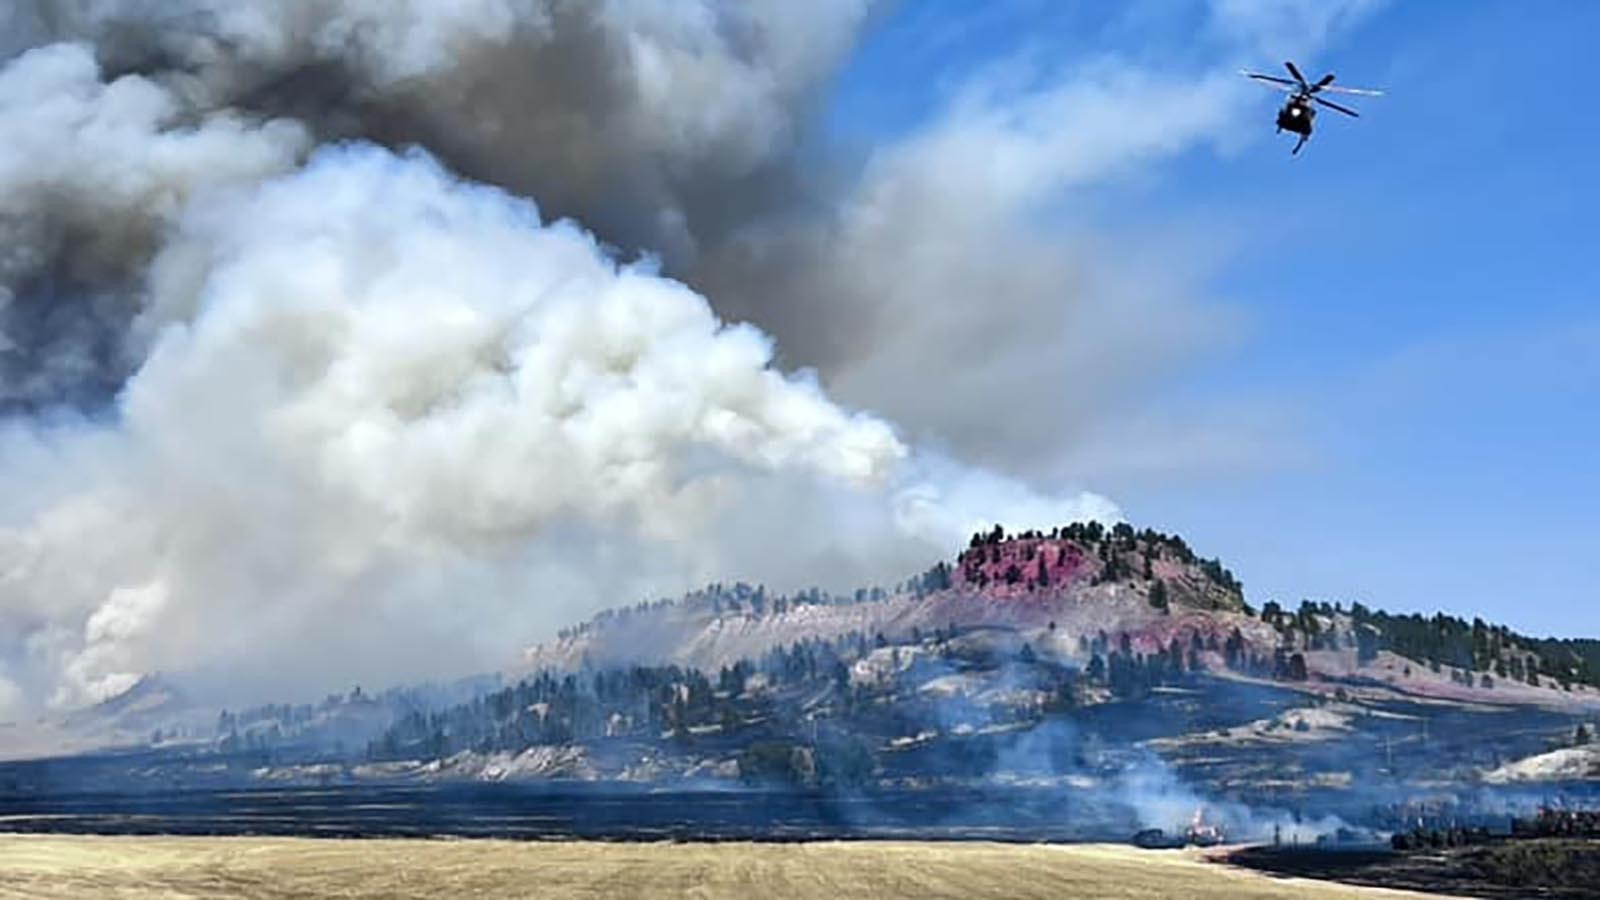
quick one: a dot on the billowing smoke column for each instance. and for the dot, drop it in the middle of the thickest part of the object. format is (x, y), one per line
(283, 414)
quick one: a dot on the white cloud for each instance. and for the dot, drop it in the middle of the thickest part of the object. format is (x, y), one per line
(1283, 29)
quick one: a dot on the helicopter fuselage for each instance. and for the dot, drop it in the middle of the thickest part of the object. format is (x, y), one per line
(1297, 116)
(1298, 113)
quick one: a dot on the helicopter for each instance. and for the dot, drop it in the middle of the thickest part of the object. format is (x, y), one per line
(1298, 112)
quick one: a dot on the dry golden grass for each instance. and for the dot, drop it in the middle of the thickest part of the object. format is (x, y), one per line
(85, 867)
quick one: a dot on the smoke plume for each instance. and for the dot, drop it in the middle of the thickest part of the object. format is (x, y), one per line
(360, 339)
(367, 386)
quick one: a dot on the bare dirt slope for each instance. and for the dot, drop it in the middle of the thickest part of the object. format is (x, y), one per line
(270, 868)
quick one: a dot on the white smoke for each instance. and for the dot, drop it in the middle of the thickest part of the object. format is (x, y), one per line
(115, 149)
(372, 393)
(425, 347)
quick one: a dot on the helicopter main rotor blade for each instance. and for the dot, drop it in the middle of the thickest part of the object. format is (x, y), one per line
(1350, 90)
(1271, 80)
(1331, 105)
(1301, 79)
(1326, 80)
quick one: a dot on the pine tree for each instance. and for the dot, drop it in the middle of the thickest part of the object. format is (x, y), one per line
(1158, 595)
(1366, 643)
(1297, 668)
(1233, 651)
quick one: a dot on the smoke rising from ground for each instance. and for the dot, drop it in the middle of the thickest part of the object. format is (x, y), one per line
(371, 387)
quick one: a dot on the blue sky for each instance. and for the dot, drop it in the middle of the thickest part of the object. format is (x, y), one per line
(1412, 380)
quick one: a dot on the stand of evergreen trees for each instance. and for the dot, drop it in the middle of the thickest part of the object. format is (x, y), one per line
(634, 701)
(1479, 647)
(1476, 652)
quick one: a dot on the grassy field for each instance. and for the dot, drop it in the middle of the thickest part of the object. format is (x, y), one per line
(76, 867)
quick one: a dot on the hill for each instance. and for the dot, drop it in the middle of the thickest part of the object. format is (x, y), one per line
(1109, 680)
(1083, 579)
(1080, 588)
